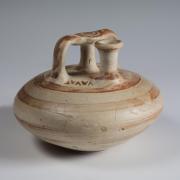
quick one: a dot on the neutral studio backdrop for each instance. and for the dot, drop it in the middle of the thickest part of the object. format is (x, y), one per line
(151, 34)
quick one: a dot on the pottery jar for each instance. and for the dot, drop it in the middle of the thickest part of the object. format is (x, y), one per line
(87, 106)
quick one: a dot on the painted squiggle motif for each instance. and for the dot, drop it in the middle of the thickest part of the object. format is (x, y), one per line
(79, 83)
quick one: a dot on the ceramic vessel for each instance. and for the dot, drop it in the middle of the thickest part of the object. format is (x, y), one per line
(88, 106)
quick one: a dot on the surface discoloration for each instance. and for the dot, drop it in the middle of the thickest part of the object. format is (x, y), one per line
(104, 129)
(154, 92)
(149, 118)
(34, 126)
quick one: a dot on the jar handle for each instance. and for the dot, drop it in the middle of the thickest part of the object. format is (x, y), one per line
(87, 61)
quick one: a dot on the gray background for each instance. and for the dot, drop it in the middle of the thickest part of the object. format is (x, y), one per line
(150, 31)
